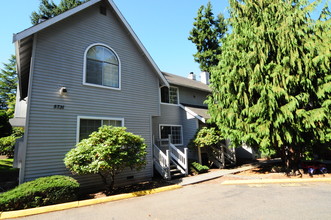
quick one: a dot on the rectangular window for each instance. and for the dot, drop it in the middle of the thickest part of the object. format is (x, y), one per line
(88, 125)
(174, 130)
(169, 95)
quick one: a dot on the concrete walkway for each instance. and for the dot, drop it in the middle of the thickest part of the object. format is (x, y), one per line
(212, 175)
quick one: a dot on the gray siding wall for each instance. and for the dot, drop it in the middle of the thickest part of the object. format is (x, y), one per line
(174, 115)
(192, 96)
(59, 61)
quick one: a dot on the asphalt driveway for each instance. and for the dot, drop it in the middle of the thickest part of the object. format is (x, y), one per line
(211, 200)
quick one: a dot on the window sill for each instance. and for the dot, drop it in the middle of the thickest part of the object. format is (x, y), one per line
(101, 86)
(164, 103)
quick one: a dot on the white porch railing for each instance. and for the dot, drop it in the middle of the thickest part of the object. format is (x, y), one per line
(162, 162)
(179, 158)
(173, 155)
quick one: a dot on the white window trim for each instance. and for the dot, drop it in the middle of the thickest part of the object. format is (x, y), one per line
(172, 125)
(119, 68)
(165, 103)
(79, 117)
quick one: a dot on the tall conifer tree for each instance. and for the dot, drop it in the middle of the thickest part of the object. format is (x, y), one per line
(8, 84)
(272, 87)
(206, 35)
(48, 9)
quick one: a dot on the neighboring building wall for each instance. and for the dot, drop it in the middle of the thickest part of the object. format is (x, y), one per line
(175, 115)
(170, 115)
(192, 96)
(59, 61)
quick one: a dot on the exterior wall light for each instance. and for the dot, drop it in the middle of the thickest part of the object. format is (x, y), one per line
(63, 90)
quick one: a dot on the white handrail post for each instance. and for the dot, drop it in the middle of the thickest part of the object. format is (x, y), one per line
(186, 160)
(168, 164)
(169, 143)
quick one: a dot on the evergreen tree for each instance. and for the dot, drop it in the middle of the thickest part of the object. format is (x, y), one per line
(206, 35)
(48, 9)
(8, 85)
(272, 86)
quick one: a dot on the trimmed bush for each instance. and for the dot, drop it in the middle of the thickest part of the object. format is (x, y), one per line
(107, 152)
(198, 168)
(40, 192)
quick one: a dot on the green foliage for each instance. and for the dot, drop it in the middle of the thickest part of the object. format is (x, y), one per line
(5, 127)
(272, 85)
(107, 152)
(17, 132)
(7, 146)
(7, 172)
(40, 192)
(207, 137)
(207, 34)
(48, 9)
(198, 168)
(8, 85)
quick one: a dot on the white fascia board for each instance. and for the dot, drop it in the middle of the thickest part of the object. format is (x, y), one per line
(133, 34)
(51, 21)
(192, 113)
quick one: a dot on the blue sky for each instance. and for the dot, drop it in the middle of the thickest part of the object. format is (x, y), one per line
(162, 26)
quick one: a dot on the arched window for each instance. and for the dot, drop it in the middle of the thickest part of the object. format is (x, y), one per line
(102, 67)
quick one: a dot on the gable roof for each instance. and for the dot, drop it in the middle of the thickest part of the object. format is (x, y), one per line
(186, 82)
(24, 43)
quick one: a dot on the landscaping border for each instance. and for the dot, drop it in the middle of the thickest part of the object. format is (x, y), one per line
(271, 181)
(69, 205)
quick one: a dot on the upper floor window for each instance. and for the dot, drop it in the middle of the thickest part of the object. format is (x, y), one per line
(169, 95)
(102, 67)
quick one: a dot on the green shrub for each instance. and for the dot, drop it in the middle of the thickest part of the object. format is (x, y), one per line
(7, 146)
(107, 152)
(198, 168)
(40, 192)
(5, 127)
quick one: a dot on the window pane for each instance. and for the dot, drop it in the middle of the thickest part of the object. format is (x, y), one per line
(114, 123)
(118, 124)
(110, 57)
(165, 131)
(110, 75)
(165, 94)
(94, 72)
(96, 53)
(176, 135)
(102, 67)
(173, 96)
(87, 126)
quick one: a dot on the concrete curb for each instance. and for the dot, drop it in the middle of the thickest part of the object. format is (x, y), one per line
(271, 181)
(69, 205)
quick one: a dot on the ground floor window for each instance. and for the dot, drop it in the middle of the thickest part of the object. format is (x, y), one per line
(175, 131)
(87, 125)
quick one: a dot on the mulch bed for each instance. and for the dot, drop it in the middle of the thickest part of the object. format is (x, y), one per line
(147, 185)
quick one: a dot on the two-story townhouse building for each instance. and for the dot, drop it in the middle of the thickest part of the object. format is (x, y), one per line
(86, 68)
